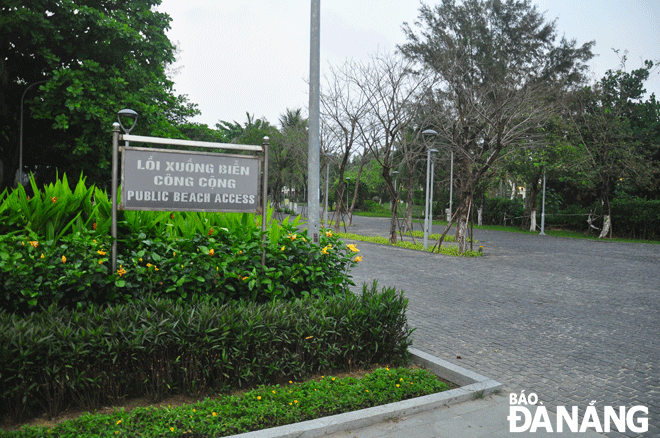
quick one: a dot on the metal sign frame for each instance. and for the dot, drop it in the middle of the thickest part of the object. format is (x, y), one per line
(208, 178)
(116, 137)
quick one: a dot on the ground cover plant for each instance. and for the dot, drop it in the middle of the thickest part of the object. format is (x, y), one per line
(258, 408)
(446, 250)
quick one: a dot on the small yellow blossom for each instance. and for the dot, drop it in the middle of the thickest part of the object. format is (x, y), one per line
(173, 253)
(34, 243)
(292, 236)
(211, 252)
(63, 259)
(101, 252)
(118, 421)
(397, 385)
(149, 265)
(333, 379)
(171, 429)
(329, 233)
(282, 249)
(295, 401)
(240, 252)
(352, 247)
(273, 391)
(100, 262)
(290, 381)
(194, 410)
(121, 271)
(214, 414)
(258, 397)
(358, 259)
(54, 199)
(42, 256)
(94, 226)
(401, 379)
(140, 260)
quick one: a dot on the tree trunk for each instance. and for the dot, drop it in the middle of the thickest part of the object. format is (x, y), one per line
(463, 213)
(532, 221)
(480, 216)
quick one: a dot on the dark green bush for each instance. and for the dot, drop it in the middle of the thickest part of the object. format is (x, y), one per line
(636, 218)
(495, 209)
(96, 356)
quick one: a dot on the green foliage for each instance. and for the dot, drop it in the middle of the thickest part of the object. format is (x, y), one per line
(636, 218)
(95, 58)
(495, 210)
(99, 355)
(260, 408)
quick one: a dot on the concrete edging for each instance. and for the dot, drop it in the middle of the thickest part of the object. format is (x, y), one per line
(470, 382)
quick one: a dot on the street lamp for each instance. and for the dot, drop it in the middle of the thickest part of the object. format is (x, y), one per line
(427, 135)
(129, 113)
(20, 140)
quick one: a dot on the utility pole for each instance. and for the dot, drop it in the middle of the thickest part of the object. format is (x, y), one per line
(314, 123)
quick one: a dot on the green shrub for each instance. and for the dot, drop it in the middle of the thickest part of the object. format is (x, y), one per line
(495, 209)
(221, 262)
(99, 355)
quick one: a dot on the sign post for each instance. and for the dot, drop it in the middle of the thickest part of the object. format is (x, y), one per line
(178, 180)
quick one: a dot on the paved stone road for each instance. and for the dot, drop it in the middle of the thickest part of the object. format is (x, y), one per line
(568, 319)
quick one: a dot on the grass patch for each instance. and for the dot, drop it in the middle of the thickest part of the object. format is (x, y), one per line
(260, 408)
(446, 250)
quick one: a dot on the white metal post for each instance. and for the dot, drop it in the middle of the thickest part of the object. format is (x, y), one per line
(542, 233)
(426, 208)
(115, 170)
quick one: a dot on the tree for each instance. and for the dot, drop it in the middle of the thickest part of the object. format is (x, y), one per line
(393, 94)
(343, 106)
(97, 57)
(500, 75)
(608, 127)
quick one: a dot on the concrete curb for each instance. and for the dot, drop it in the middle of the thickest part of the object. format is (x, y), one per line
(471, 384)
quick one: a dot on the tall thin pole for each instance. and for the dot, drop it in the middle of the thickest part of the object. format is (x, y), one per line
(20, 140)
(325, 198)
(542, 233)
(115, 170)
(431, 199)
(264, 200)
(314, 123)
(451, 187)
(426, 208)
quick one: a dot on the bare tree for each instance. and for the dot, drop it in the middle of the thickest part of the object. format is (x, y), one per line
(500, 74)
(343, 105)
(393, 93)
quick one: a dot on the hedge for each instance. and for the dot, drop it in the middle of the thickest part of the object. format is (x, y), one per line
(93, 357)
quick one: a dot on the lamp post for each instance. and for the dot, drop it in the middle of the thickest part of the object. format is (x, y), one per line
(451, 187)
(427, 135)
(20, 140)
(542, 233)
(130, 114)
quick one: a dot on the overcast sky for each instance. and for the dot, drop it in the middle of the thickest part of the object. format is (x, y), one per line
(240, 56)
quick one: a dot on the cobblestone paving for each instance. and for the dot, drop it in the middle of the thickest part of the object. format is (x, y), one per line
(571, 320)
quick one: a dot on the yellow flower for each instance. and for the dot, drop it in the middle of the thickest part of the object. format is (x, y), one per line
(100, 262)
(34, 243)
(352, 247)
(149, 265)
(155, 268)
(333, 379)
(329, 233)
(171, 429)
(173, 253)
(118, 421)
(397, 385)
(290, 404)
(63, 259)
(295, 401)
(194, 410)
(101, 252)
(273, 391)
(42, 255)
(140, 260)
(292, 236)
(258, 397)
(282, 249)
(54, 199)
(290, 381)
(401, 379)
(116, 432)
(240, 252)
(358, 259)
(121, 271)
(214, 414)
(211, 252)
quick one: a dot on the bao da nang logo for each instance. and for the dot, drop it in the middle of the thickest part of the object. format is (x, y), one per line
(521, 418)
